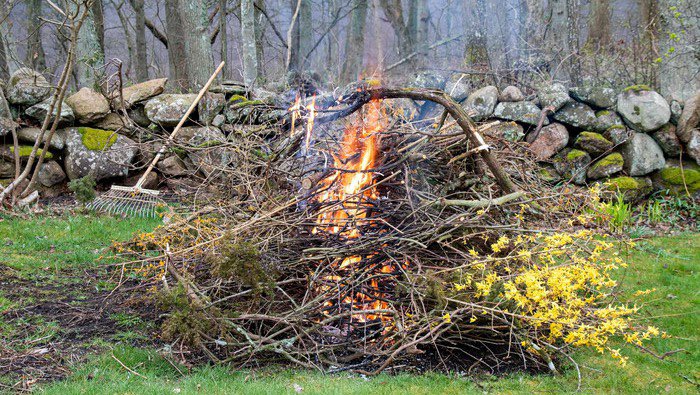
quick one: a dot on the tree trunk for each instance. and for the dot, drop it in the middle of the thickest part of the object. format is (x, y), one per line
(35, 49)
(599, 25)
(294, 43)
(223, 35)
(260, 27)
(179, 76)
(11, 61)
(250, 62)
(557, 38)
(198, 49)
(355, 43)
(393, 10)
(140, 27)
(306, 34)
(422, 40)
(90, 52)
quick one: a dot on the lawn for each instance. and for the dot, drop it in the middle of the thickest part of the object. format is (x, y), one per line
(59, 249)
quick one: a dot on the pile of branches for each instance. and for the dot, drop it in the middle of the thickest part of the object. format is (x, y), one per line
(419, 280)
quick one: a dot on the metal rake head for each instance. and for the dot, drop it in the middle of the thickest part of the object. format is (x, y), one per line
(128, 201)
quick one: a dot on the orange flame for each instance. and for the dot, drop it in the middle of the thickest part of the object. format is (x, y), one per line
(349, 194)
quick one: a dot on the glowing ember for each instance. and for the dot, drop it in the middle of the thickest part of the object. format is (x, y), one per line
(349, 194)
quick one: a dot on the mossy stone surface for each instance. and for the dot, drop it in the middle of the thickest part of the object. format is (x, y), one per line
(638, 88)
(26, 150)
(97, 139)
(676, 178)
(631, 188)
(593, 143)
(607, 166)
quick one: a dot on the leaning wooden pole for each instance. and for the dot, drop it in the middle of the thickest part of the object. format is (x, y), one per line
(362, 97)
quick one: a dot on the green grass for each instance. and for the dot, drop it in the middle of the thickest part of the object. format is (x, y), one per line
(50, 243)
(669, 264)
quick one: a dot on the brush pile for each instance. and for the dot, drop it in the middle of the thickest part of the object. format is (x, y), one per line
(373, 243)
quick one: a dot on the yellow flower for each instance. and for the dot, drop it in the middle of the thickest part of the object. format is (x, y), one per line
(446, 318)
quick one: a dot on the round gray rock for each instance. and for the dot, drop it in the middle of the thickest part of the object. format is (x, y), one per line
(577, 115)
(38, 112)
(108, 155)
(523, 111)
(554, 95)
(482, 102)
(88, 105)
(511, 94)
(643, 111)
(642, 155)
(51, 173)
(27, 87)
(168, 109)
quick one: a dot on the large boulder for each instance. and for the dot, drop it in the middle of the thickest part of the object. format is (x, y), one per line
(29, 135)
(139, 92)
(210, 106)
(577, 115)
(38, 112)
(167, 110)
(482, 102)
(676, 177)
(572, 164)
(51, 173)
(606, 166)
(207, 154)
(596, 96)
(643, 110)
(457, 87)
(549, 141)
(667, 140)
(554, 96)
(99, 153)
(27, 87)
(511, 94)
(88, 105)
(690, 118)
(642, 155)
(593, 143)
(524, 112)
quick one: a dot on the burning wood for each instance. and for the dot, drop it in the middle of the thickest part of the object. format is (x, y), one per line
(389, 252)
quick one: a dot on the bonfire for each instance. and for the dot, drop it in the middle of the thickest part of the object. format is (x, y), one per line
(362, 240)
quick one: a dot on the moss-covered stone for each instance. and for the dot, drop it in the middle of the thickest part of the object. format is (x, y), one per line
(593, 143)
(607, 166)
(602, 113)
(26, 150)
(97, 139)
(638, 88)
(676, 178)
(631, 188)
(237, 99)
(574, 153)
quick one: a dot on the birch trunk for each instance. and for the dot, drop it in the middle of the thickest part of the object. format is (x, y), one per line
(90, 57)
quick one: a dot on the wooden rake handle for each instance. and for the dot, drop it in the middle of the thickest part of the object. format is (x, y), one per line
(179, 126)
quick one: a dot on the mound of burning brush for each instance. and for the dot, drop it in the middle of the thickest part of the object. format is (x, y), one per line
(373, 243)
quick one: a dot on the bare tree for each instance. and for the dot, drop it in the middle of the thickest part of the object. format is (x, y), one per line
(393, 10)
(7, 43)
(35, 49)
(141, 47)
(198, 51)
(599, 25)
(250, 62)
(355, 43)
(179, 76)
(90, 52)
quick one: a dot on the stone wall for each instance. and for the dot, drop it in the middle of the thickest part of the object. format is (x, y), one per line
(632, 140)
